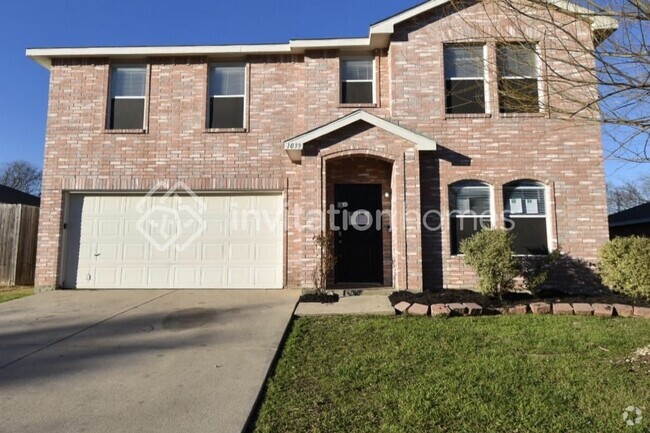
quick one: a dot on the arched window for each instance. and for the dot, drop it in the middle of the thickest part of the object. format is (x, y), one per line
(470, 210)
(526, 216)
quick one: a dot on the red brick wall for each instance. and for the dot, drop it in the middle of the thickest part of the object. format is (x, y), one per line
(289, 95)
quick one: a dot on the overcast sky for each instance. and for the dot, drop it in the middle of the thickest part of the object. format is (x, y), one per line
(56, 23)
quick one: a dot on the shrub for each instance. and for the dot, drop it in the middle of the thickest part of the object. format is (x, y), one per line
(536, 270)
(625, 266)
(326, 260)
(490, 253)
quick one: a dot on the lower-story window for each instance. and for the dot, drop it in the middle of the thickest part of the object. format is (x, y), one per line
(470, 211)
(526, 216)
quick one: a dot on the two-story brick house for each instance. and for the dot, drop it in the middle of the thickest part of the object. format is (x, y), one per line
(407, 126)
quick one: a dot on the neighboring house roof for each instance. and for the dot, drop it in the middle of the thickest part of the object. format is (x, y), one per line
(294, 146)
(379, 37)
(637, 215)
(13, 196)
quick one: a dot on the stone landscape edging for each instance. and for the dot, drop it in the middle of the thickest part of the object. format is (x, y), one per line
(536, 308)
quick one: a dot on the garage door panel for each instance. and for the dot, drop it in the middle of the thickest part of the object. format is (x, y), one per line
(157, 255)
(240, 277)
(111, 205)
(239, 252)
(190, 254)
(185, 277)
(108, 252)
(214, 276)
(213, 252)
(108, 227)
(156, 242)
(158, 276)
(133, 277)
(105, 277)
(132, 251)
(263, 274)
(268, 252)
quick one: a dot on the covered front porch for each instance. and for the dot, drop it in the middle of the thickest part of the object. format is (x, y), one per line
(361, 176)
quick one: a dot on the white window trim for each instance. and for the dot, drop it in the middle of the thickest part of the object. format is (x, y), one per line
(244, 95)
(492, 214)
(538, 70)
(109, 108)
(546, 215)
(485, 77)
(373, 60)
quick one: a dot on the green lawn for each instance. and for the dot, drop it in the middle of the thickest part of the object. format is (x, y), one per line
(488, 374)
(11, 293)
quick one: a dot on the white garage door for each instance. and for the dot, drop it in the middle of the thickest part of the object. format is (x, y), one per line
(210, 241)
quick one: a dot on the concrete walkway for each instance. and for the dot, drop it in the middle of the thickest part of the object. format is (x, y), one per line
(145, 361)
(349, 305)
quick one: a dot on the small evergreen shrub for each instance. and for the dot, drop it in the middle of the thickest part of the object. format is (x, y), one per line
(625, 266)
(490, 253)
(535, 271)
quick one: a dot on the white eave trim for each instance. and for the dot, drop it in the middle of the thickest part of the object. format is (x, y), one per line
(379, 37)
(294, 146)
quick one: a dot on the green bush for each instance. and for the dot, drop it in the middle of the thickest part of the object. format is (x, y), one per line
(490, 253)
(625, 266)
(535, 270)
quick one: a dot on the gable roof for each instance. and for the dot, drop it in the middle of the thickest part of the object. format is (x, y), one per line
(295, 145)
(378, 37)
(13, 196)
(637, 215)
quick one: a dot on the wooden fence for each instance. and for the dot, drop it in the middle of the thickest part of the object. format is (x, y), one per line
(18, 234)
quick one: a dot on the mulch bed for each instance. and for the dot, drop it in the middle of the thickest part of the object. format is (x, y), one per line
(321, 298)
(511, 299)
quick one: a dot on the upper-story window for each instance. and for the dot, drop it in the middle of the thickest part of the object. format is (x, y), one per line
(526, 216)
(357, 80)
(227, 96)
(518, 78)
(127, 97)
(470, 210)
(465, 78)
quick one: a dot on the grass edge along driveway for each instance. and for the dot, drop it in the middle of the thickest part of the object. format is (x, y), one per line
(15, 292)
(488, 374)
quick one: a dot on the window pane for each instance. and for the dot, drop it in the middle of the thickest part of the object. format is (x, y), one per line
(516, 60)
(228, 80)
(226, 112)
(518, 95)
(525, 199)
(529, 235)
(465, 96)
(127, 114)
(358, 69)
(470, 199)
(464, 228)
(464, 61)
(128, 80)
(356, 92)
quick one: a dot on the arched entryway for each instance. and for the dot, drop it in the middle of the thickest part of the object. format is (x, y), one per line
(359, 202)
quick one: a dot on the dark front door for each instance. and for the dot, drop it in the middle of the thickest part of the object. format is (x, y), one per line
(358, 244)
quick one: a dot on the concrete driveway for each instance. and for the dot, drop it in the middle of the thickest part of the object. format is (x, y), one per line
(137, 361)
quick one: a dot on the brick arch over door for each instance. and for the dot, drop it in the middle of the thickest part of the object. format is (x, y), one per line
(365, 169)
(364, 141)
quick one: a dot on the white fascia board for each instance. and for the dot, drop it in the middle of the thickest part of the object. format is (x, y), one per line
(422, 142)
(598, 21)
(44, 55)
(303, 44)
